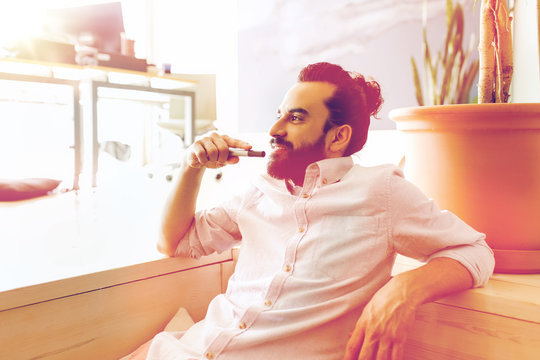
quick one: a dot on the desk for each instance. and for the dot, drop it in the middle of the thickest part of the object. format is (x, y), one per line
(80, 232)
(94, 78)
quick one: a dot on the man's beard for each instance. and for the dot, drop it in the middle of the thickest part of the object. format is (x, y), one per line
(292, 164)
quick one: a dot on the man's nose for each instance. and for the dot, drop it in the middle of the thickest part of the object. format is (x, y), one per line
(278, 128)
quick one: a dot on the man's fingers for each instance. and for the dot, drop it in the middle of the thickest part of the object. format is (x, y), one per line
(369, 349)
(236, 143)
(205, 153)
(212, 150)
(222, 147)
(198, 155)
(363, 346)
(354, 345)
(397, 351)
(384, 350)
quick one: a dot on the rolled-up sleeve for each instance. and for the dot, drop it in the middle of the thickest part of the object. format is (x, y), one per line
(419, 229)
(212, 230)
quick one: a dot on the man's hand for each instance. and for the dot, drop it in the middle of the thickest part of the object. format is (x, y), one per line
(212, 151)
(381, 330)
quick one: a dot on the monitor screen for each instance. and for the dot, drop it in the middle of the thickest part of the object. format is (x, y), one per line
(98, 25)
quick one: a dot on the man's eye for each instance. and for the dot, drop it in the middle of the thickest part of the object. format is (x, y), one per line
(296, 118)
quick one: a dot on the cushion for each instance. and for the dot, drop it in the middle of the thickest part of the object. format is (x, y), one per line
(180, 321)
(20, 189)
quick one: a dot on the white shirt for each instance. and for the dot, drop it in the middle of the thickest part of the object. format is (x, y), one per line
(311, 258)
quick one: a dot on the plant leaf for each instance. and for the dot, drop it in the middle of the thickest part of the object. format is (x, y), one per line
(417, 83)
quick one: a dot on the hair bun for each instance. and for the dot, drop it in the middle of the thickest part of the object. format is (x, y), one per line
(372, 93)
(373, 97)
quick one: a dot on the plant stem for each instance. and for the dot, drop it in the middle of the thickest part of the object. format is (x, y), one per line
(504, 50)
(495, 52)
(486, 52)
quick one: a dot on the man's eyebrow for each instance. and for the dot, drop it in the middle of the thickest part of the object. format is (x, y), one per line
(295, 110)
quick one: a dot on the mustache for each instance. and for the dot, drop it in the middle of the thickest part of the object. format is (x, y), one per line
(280, 141)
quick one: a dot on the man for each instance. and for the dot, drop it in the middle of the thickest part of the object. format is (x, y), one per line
(319, 236)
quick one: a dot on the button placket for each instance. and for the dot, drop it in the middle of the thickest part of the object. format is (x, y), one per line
(300, 204)
(312, 174)
(299, 210)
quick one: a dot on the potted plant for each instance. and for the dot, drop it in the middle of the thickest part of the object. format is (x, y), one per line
(480, 161)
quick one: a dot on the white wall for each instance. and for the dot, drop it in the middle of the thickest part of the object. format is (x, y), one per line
(377, 38)
(526, 81)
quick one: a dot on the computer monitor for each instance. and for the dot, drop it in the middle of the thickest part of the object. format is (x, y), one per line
(98, 25)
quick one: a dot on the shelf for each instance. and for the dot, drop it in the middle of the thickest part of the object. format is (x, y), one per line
(100, 73)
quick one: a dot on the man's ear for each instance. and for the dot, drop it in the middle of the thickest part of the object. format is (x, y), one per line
(339, 138)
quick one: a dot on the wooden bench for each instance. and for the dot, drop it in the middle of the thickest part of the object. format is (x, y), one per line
(106, 315)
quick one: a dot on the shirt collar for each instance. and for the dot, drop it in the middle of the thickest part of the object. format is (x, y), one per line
(329, 171)
(320, 173)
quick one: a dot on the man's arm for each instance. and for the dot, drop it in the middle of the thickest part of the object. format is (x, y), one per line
(179, 209)
(208, 152)
(381, 330)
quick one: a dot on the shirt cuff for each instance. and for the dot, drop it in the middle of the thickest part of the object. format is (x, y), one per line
(477, 258)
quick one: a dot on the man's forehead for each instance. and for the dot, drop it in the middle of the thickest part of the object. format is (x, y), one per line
(307, 94)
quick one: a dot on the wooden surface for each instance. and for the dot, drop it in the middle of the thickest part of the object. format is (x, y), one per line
(119, 310)
(498, 321)
(122, 308)
(514, 296)
(450, 332)
(29, 295)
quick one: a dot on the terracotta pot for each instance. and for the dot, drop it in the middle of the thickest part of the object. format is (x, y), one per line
(482, 162)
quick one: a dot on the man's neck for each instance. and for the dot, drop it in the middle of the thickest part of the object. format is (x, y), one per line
(291, 184)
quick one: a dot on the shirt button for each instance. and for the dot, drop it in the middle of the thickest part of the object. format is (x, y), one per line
(209, 355)
(242, 325)
(301, 230)
(324, 181)
(305, 196)
(287, 268)
(268, 302)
